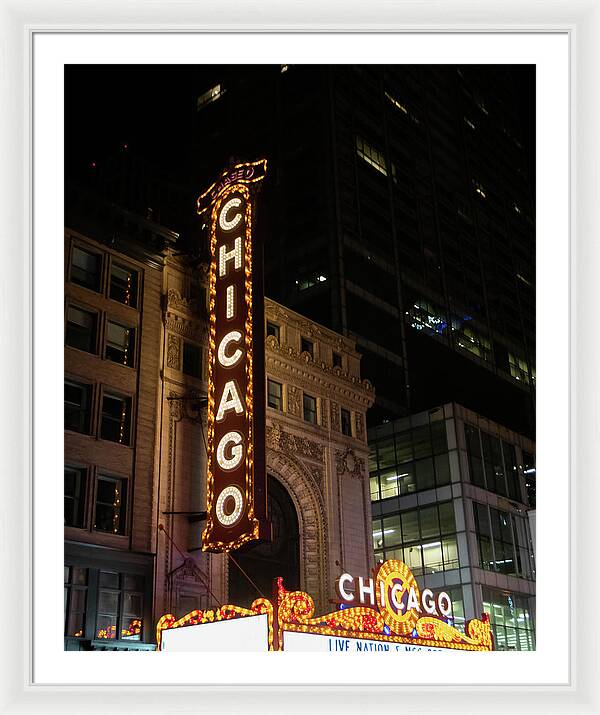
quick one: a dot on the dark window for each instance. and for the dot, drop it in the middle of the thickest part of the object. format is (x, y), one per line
(273, 329)
(192, 361)
(123, 285)
(74, 496)
(274, 390)
(120, 606)
(77, 407)
(337, 360)
(86, 269)
(116, 418)
(310, 408)
(120, 343)
(346, 422)
(111, 500)
(81, 329)
(306, 346)
(76, 581)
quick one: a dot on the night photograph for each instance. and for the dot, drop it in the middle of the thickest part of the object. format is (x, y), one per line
(299, 357)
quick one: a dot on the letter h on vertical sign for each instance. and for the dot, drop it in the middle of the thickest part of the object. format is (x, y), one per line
(236, 492)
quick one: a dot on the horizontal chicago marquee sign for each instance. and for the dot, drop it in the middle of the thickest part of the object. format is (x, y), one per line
(236, 480)
(388, 614)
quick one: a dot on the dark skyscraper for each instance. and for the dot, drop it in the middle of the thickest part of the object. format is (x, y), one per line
(399, 210)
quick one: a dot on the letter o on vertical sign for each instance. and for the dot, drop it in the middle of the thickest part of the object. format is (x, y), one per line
(235, 479)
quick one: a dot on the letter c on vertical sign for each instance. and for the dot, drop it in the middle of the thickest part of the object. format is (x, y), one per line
(229, 224)
(229, 360)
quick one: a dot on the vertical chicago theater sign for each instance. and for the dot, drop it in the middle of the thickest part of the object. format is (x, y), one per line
(236, 480)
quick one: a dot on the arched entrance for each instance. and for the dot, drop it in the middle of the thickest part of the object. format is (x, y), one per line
(264, 562)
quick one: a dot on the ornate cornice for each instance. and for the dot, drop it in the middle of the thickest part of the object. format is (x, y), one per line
(347, 463)
(286, 360)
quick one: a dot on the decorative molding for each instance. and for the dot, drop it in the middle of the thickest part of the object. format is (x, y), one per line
(324, 412)
(278, 439)
(359, 425)
(173, 351)
(335, 416)
(176, 301)
(347, 462)
(293, 400)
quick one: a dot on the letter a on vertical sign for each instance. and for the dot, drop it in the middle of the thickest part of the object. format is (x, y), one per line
(236, 480)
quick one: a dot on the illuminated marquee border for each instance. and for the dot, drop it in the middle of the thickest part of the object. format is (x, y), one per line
(293, 612)
(207, 542)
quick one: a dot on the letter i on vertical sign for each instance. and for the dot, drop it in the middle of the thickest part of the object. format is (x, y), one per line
(236, 498)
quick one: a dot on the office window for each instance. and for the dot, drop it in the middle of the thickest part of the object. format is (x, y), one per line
(123, 285)
(273, 329)
(81, 329)
(369, 154)
(111, 501)
(309, 405)
(120, 606)
(275, 395)
(425, 538)
(519, 369)
(86, 269)
(76, 582)
(192, 360)
(346, 422)
(77, 407)
(510, 618)
(337, 360)
(503, 541)
(307, 346)
(211, 95)
(120, 343)
(74, 499)
(115, 422)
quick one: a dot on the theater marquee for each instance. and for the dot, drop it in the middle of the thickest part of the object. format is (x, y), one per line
(236, 481)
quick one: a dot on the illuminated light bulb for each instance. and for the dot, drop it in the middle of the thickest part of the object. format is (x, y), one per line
(225, 255)
(224, 223)
(230, 400)
(237, 451)
(230, 302)
(229, 360)
(236, 494)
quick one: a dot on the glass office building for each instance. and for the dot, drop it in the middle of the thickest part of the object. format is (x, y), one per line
(449, 498)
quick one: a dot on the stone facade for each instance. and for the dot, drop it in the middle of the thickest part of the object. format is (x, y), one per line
(321, 465)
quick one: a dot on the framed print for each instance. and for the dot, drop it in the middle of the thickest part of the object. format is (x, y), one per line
(304, 271)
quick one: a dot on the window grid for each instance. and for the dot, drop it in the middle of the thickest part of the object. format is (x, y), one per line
(511, 621)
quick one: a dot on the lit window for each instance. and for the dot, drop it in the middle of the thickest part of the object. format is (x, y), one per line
(519, 369)
(210, 96)
(81, 329)
(120, 342)
(309, 405)
(396, 103)
(346, 422)
(76, 580)
(192, 360)
(310, 281)
(123, 285)
(274, 395)
(284, 68)
(115, 421)
(74, 496)
(478, 188)
(120, 606)
(469, 123)
(473, 343)
(77, 407)
(109, 513)
(373, 157)
(86, 269)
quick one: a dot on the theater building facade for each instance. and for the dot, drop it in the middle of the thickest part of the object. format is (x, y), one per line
(136, 343)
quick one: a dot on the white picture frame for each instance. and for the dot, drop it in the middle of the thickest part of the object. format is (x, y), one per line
(580, 21)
